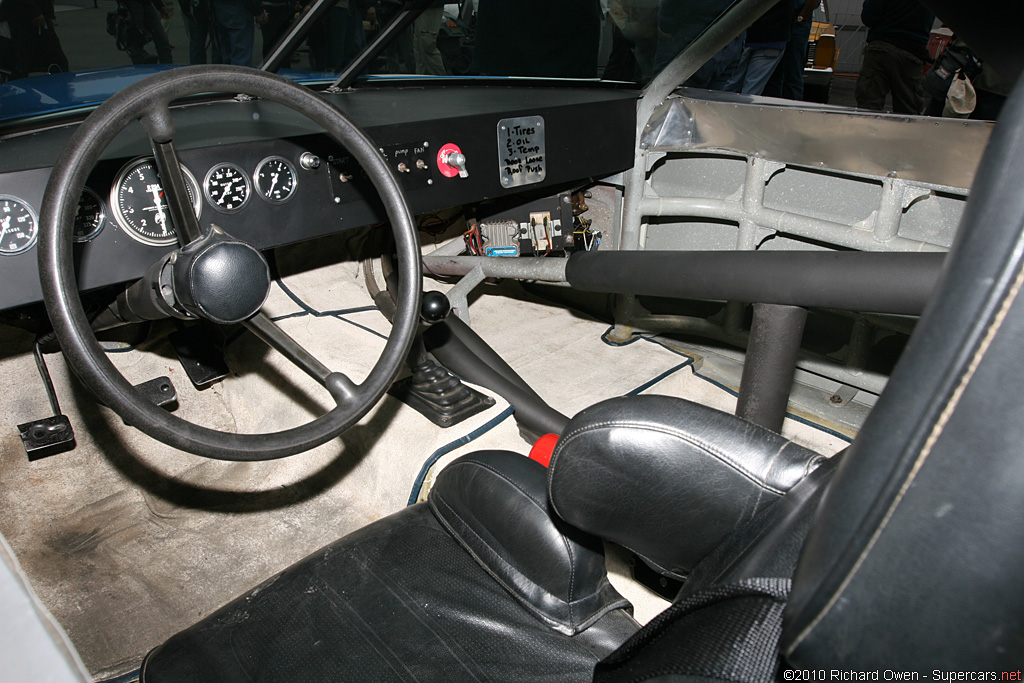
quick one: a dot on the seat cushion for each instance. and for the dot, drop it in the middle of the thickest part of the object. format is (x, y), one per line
(668, 478)
(495, 504)
(398, 600)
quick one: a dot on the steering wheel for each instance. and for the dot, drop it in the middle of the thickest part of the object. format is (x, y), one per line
(212, 275)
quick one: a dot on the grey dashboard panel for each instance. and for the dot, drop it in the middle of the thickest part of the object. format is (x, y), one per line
(409, 124)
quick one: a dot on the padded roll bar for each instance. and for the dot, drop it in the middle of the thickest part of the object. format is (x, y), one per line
(875, 282)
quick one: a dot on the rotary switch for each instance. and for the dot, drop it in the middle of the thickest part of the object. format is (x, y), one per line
(451, 161)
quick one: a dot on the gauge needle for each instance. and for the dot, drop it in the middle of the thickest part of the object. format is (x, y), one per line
(6, 223)
(227, 190)
(157, 194)
(273, 176)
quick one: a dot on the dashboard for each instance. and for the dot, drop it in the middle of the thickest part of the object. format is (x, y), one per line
(266, 175)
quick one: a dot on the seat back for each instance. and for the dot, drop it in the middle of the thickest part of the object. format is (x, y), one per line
(914, 559)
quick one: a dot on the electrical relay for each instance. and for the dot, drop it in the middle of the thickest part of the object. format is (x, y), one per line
(543, 227)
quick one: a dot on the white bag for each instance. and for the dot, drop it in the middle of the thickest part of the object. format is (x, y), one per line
(961, 99)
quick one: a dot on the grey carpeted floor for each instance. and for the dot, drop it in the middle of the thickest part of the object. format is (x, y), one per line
(126, 540)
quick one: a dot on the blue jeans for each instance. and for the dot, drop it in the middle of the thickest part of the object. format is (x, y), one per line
(716, 73)
(788, 79)
(755, 68)
(236, 31)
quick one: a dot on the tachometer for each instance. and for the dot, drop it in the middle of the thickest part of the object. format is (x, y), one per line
(140, 206)
(227, 187)
(90, 217)
(275, 179)
(18, 225)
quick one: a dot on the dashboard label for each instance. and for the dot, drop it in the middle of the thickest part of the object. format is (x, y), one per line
(521, 153)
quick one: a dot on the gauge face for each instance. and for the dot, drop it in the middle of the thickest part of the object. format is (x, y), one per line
(18, 225)
(140, 206)
(227, 187)
(275, 179)
(90, 217)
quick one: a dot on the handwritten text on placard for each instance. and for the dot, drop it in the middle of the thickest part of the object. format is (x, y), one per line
(521, 154)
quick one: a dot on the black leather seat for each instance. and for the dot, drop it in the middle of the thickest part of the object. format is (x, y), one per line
(904, 552)
(484, 582)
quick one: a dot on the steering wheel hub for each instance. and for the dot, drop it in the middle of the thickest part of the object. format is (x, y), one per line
(220, 278)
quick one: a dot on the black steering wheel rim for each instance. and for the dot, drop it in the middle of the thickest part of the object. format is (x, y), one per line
(152, 98)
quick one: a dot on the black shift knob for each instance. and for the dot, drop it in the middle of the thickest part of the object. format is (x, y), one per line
(434, 307)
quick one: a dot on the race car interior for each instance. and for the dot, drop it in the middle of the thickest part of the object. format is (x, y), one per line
(274, 352)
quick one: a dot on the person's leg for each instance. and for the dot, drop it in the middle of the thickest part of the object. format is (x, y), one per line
(773, 88)
(425, 30)
(735, 80)
(204, 30)
(713, 69)
(335, 24)
(935, 106)
(191, 31)
(279, 18)
(209, 32)
(355, 35)
(136, 43)
(873, 81)
(236, 31)
(793, 61)
(643, 50)
(405, 50)
(726, 63)
(165, 24)
(760, 65)
(907, 72)
(621, 65)
(50, 53)
(151, 20)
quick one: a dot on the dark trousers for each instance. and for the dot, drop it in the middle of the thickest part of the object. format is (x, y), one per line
(279, 19)
(199, 26)
(147, 20)
(336, 39)
(889, 69)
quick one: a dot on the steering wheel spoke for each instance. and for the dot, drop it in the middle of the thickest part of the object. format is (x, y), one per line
(341, 388)
(183, 216)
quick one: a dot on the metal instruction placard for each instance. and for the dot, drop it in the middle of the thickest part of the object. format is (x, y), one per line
(521, 155)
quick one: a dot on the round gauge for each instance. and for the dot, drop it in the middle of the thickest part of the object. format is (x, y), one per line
(140, 207)
(275, 179)
(90, 217)
(227, 187)
(18, 225)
